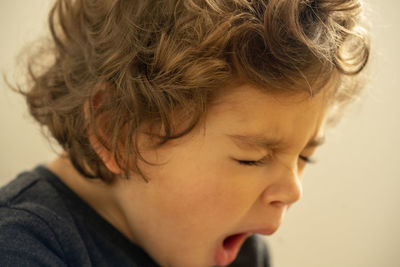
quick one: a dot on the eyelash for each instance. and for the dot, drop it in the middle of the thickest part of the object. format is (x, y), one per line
(263, 161)
(307, 159)
(252, 162)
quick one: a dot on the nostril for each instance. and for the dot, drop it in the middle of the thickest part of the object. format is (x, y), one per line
(277, 203)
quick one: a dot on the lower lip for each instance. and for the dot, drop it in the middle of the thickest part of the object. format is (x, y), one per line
(227, 251)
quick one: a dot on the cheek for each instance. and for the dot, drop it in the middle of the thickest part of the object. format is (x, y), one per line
(205, 193)
(191, 195)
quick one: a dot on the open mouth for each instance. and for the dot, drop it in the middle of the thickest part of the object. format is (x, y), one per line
(228, 250)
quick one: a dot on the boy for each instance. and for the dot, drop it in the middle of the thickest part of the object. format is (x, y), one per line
(186, 126)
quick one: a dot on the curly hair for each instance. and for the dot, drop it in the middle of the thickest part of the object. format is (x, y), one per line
(153, 59)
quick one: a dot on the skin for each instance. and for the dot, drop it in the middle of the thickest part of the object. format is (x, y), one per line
(213, 182)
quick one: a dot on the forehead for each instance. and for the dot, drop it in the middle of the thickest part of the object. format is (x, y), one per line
(249, 99)
(251, 116)
(261, 141)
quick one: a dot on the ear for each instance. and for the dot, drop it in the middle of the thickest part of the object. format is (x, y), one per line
(105, 155)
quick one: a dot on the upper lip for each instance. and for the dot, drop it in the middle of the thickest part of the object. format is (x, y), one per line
(263, 230)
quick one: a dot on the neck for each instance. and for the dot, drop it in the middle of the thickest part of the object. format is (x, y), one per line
(94, 192)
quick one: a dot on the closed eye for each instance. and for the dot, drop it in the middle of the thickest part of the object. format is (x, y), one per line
(307, 159)
(250, 162)
(259, 162)
(265, 159)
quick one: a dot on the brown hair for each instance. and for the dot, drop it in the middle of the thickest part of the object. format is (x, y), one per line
(151, 59)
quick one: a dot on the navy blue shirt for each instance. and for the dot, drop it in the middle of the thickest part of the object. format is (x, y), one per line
(44, 223)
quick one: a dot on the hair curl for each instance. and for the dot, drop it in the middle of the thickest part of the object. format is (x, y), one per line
(154, 58)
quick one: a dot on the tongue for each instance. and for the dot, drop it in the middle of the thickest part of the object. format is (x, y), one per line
(227, 252)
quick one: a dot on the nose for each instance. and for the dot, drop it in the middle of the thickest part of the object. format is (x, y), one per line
(285, 190)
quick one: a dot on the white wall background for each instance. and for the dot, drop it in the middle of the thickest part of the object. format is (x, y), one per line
(349, 215)
(21, 144)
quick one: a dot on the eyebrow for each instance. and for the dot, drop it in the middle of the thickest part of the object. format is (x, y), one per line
(260, 141)
(315, 142)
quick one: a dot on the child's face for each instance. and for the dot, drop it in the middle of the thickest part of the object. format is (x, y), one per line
(208, 187)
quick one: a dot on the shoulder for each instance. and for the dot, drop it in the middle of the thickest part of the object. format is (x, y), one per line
(34, 223)
(26, 238)
(31, 196)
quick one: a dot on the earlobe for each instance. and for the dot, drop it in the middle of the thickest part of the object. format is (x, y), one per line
(106, 155)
